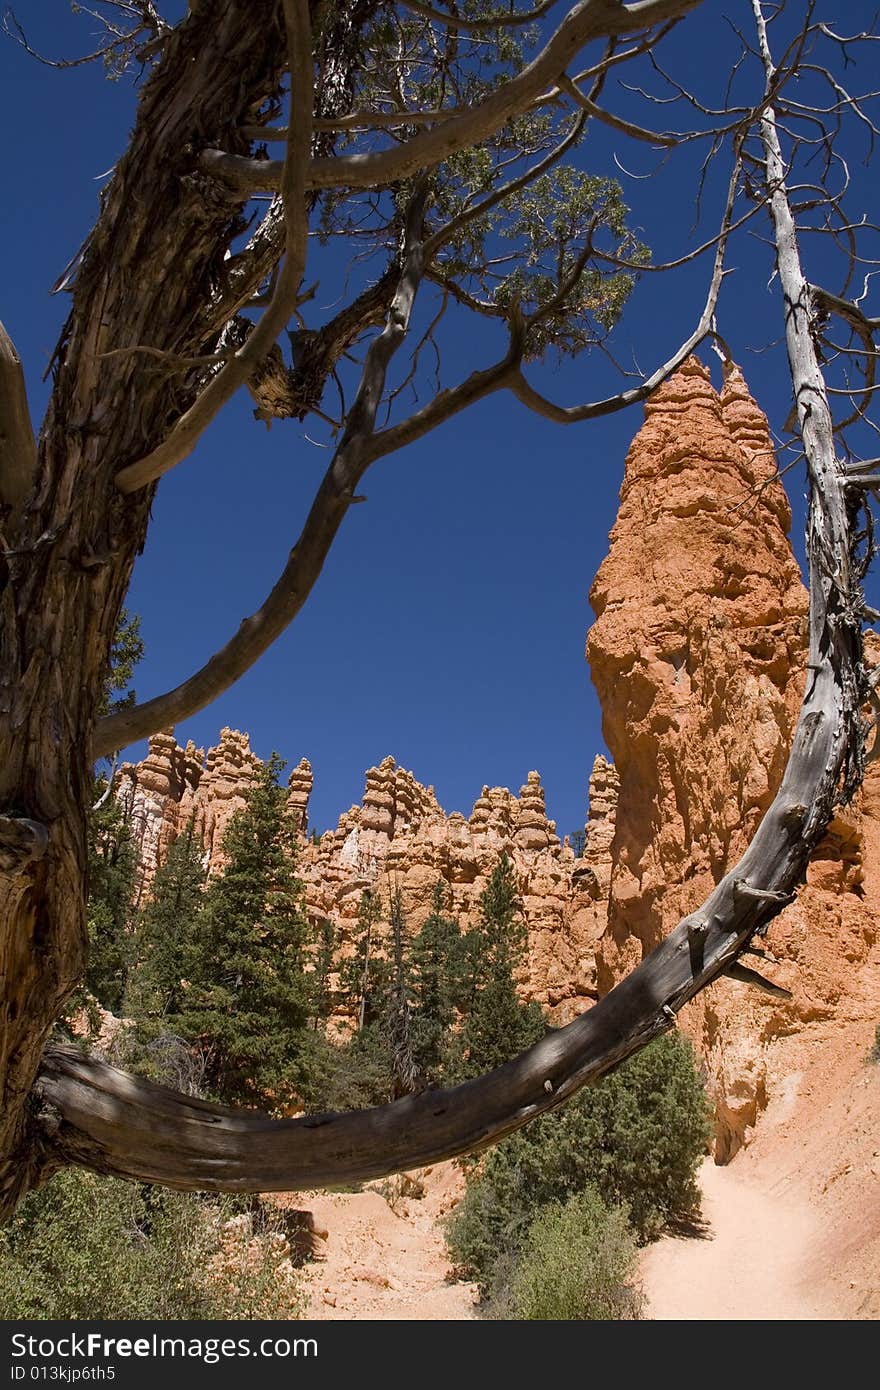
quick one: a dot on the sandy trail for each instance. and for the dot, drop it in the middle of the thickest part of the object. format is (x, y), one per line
(388, 1261)
(791, 1228)
(749, 1262)
(792, 1225)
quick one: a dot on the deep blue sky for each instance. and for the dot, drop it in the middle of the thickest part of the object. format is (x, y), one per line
(448, 626)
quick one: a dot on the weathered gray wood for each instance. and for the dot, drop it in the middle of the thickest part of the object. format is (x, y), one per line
(97, 1116)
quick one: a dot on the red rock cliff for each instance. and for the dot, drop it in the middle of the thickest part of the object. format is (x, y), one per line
(698, 655)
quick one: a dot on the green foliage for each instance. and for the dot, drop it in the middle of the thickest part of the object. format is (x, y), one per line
(546, 255)
(578, 841)
(164, 936)
(348, 1076)
(320, 991)
(125, 653)
(365, 976)
(246, 1004)
(404, 1071)
(637, 1138)
(112, 875)
(112, 858)
(497, 1025)
(85, 1247)
(874, 1054)
(439, 982)
(577, 1265)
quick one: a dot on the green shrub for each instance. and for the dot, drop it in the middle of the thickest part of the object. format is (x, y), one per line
(637, 1137)
(90, 1247)
(576, 1265)
(353, 1075)
(874, 1054)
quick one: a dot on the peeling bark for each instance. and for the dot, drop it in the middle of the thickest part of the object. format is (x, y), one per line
(149, 277)
(145, 277)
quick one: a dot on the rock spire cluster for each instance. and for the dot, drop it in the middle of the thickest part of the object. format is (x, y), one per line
(698, 656)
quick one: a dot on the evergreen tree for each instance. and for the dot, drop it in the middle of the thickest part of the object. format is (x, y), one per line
(164, 936)
(497, 1025)
(247, 1001)
(438, 986)
(404, 1071)
(321, 993)
(364, 977)
(125, 653)
(112, 872)
(112, 855)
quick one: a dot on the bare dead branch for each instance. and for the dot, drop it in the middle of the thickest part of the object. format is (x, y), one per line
(462, 296)
(608, 118)
(443, 407)
(182, 439)
(568, 415)
(331, 503)
(105, 794)
(353, 120)
(865, 329)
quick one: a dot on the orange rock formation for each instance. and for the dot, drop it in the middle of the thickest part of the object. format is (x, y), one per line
(400, 838)
(698, 654)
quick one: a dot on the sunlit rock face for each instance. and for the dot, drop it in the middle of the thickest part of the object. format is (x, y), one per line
(698, 654)
(399, 839)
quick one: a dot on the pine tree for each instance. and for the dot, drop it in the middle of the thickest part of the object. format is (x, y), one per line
(404, 1070)
(438, 986)
(112, 873)
(112, 855)
(364, 977)
(247, 1001)
(497, 1024)
(321, 993)
(164, 936)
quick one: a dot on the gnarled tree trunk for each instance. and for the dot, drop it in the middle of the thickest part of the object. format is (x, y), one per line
(154, 273)
(151, 273)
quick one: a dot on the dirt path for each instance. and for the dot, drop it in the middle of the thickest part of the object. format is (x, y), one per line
(386, 1259)
(792, 1225)
(747, 1263)
(791, 1228)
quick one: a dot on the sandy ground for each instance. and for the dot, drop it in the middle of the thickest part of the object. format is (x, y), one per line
(747, 1260)
(790, 1228)
(384, 1257)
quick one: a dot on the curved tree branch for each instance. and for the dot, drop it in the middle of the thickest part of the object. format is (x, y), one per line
(586, 21)
(497, 19)
(102, 1118)
(332, 501)
(635, 132)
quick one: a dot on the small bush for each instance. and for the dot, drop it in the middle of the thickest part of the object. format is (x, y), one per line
(874, 1054)
(637, 1138)
(576, 1265)
(90, 1247)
